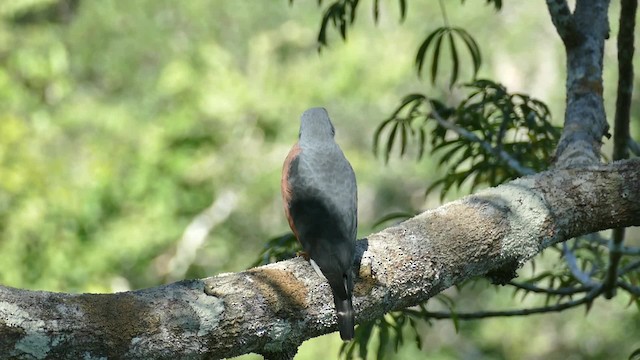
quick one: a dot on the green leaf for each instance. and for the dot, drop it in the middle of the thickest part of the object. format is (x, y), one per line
(443, 144)
(351, 349)
(404, 215)
(399, 338)
(445, 300)
(473, 48)
(364, 338)
(377, 133)
(403, 9)
(352, 13)
(383, 341)
(404, 134)
(455, 320)
(433, 185)
(417, 337)
(376, 10)
(436, 58)
(341, 14)
(496, 3)
(408, 99)
(422, 50)
(422, 140)
(411, 101)
(343, 28)
(328, 16)
(468, 153)
(480, 170)
(451, 151)
(392, 137)
(454, 60)
(278, 248)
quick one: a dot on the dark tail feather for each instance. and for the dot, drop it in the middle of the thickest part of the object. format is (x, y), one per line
(346, 318)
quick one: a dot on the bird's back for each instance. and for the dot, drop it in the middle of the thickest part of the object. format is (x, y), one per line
(324, 201)
(320, 196)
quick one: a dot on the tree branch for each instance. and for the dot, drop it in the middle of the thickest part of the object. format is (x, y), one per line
(564, 22)
(628, 10)
(563, 291)
(624, 250)
(585, 121)
(589, 297)
(272, 309)
(630, 267)
(633, 290)
(572, 262)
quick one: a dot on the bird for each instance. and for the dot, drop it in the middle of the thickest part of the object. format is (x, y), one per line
(320, 199)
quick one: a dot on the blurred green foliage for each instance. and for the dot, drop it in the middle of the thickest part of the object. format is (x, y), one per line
(141, 143)
(124, 122)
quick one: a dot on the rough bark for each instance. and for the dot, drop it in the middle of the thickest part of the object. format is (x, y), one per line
(583, 33)
(272, 309)
(628, 10)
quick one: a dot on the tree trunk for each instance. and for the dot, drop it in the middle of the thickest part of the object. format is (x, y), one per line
(585, 123)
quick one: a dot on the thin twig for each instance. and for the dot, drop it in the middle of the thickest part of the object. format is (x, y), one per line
(559, 291)
(624, 250)
(629, 268)
(572, 262)
(614, 260)
(634, 290)
(444, 13)
(510, 160)
(589, 297)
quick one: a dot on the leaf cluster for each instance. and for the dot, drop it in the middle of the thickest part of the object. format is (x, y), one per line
(278, 248)
(342, 13)
(489, 122)
(451, 36)
(389, 331)
(394, 330)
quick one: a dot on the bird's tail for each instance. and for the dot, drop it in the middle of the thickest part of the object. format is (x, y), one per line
(342, 289)
(346, 317)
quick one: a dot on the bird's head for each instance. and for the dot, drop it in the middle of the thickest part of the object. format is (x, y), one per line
(315, 125)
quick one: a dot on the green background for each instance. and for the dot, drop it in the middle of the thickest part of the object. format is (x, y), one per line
(122, 122)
